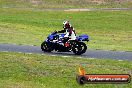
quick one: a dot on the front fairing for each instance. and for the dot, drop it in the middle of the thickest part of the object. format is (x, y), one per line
(61, 35)
(53, 36)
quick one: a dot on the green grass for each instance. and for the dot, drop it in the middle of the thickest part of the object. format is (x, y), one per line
(64, 4)
(108, 30)
(40, 71)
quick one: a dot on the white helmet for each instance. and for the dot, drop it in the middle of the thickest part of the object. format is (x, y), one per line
(66, 24)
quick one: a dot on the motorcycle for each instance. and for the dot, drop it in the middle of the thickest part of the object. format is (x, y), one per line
(54, 41)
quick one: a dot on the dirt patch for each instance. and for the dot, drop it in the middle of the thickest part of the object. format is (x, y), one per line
(36, 2)
(104, 9)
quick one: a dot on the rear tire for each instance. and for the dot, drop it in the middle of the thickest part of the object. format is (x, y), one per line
(79, 48)
(47, 47)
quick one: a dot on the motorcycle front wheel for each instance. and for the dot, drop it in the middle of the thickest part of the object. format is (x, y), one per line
(47, 47)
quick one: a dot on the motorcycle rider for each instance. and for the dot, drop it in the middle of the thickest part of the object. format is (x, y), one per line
(69, 32)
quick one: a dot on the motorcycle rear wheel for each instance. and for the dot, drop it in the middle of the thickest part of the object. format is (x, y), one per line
(79, 48)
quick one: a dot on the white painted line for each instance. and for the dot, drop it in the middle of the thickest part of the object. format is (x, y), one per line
(120, 60)
(29, 53)
(13, 44)
(53, 55)
(65, 56)
(5, 51)
(78, 10)
(91, 58)
(79, 57)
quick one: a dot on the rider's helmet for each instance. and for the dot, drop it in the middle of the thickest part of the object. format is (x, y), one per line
(66, 24)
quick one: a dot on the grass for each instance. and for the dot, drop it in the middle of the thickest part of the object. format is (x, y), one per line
(65, 4)
(40, 71)
(108, 30)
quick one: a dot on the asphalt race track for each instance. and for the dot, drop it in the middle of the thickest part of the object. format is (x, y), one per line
(119, 55)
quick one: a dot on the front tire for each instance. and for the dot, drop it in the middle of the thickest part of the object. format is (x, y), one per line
(79, 48)
(47, 47)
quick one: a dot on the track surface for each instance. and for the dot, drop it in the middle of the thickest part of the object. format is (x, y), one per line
(119, 55)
